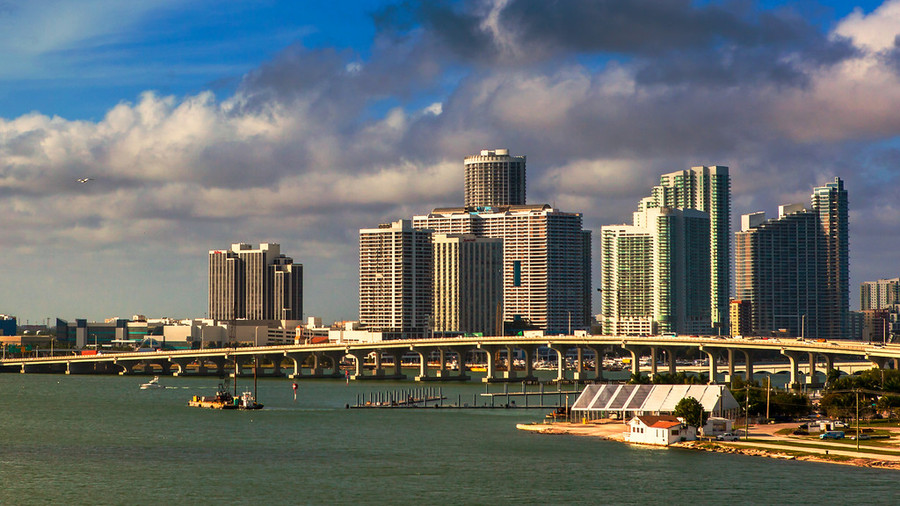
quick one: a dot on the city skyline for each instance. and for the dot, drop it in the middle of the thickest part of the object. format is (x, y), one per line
(128, 149)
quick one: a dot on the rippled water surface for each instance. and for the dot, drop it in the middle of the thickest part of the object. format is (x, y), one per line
(102, 440)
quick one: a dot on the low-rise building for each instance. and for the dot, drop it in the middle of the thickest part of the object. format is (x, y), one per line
(659, 430)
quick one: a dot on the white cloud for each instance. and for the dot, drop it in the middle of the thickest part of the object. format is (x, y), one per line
(874, 32)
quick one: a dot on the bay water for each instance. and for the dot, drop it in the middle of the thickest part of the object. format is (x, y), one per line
(102, 440)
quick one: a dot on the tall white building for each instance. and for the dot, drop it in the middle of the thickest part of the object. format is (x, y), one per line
(494, 178)
(881, 294)
(254, 284)
(395, 280)
(655, 273)
(706, 189)
(468, 283)
(546, 260)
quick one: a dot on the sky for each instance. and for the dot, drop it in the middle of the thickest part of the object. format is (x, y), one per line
(205, 123)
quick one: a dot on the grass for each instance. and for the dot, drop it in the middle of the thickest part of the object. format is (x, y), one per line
(824, 446)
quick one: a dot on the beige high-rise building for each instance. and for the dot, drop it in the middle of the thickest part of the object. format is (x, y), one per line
(494, 178)
(468, 283)
(254, 284)
(546, 260)
(395, 280)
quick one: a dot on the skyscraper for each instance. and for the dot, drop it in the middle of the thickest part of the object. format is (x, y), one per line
(395, 279)
(655, 273)
(254, 284)
(881, 294)
(830, 202)
(468, 283)
(494, 178)
(546, 260)
(780, 271)
(706, 189)
(794, 270)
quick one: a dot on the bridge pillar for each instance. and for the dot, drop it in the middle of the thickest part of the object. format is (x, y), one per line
(712, 364)
(673, 366)
(794, 358)
(298, 358)
(578, 374)
(490, 366)
(811, 377)
(635, 360)
(510, 373)
(127, 367)
(560, 361)
(529, 351)
(181, 364)
(335, 357)
(461, 362)
(359, 357)
(877, 361)
(653, 362)
(748, 365)
(276, 365)
(422, 353)
(398, 363)
(729, 376)
(219, 362)
(598, 362)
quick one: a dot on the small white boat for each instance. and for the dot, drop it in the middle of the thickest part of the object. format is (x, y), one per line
(154, 383)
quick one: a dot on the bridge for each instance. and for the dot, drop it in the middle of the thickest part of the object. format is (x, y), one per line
(435, 358)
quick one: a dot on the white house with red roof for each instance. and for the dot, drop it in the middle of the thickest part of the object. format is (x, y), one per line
(660, 430)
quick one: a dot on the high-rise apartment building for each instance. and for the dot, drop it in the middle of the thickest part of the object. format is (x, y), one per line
(881, 294)
(468, 283)
(546, 260)
(741, 318)
(655, 273)
(790, 268)
(494, 178)
(395, 279)
(706, 189)
(254, 284)
(830, 202)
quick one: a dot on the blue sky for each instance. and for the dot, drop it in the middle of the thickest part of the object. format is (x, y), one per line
(207, 123)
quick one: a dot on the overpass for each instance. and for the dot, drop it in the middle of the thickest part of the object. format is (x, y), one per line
(325, 360)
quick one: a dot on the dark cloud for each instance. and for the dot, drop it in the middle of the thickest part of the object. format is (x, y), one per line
(671, 41)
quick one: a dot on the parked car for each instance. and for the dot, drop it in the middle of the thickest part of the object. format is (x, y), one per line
(832, 434)
(728, 436)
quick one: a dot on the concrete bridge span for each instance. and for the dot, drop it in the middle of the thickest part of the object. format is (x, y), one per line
(436, 358)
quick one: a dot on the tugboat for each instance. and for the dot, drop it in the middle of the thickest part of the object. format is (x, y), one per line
(225, 400)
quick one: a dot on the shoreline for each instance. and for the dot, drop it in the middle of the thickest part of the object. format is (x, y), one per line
(613, 431)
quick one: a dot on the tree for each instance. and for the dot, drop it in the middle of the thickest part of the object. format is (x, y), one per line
(691, 411)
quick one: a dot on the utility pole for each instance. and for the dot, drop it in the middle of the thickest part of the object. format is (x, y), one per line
(747, 415)
(857, 420)
(768, 393)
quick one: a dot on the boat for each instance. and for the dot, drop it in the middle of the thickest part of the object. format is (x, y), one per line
(154, 383)
(225, 400)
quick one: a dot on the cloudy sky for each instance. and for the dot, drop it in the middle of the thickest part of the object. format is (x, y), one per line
(206, 123)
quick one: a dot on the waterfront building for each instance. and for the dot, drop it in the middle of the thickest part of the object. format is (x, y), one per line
(494, 178)
(741, 318)
(546, 260)
(468, 283)
(661, 430)
(790, 268)
(830, 203)
(655, 273)
(707, 189)
(395, 279)
(254, 283)
(884, 293)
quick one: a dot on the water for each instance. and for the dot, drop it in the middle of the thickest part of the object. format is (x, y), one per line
(102, 440)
